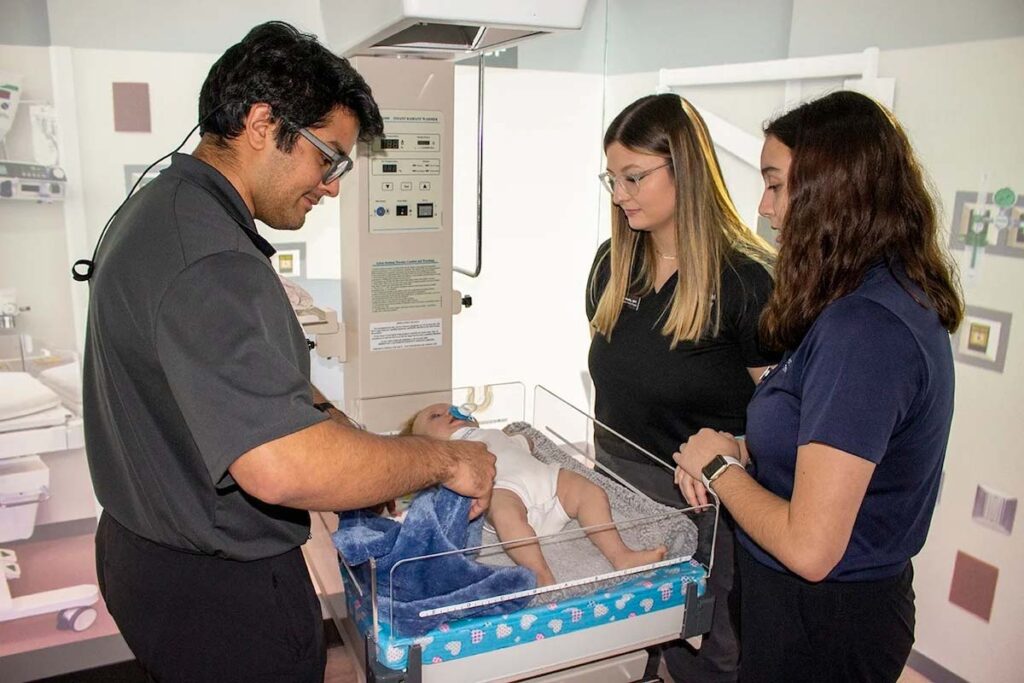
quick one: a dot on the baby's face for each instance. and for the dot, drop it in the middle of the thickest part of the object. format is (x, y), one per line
(437, 422)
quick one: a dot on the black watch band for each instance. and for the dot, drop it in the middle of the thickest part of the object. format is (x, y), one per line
(324, 407)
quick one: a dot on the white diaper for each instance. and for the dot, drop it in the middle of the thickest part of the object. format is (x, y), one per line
(535, 482)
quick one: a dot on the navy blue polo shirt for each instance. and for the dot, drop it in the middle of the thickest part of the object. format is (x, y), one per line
(873, 377)
(193, 356)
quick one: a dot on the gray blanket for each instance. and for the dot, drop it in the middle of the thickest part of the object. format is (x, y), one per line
(571, 555)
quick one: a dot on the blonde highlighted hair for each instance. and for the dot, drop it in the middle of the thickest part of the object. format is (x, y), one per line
(708, 227)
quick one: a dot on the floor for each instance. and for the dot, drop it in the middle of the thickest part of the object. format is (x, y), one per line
(48, 565)
(340, 669)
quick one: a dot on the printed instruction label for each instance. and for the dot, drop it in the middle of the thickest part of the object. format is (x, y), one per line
(405, 334)
(405, 285)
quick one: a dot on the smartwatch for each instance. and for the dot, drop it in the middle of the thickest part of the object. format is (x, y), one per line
(716, 468)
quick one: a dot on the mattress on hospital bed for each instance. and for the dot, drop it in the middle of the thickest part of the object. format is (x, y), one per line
(573, 558)
(22, 394)
(66, 381)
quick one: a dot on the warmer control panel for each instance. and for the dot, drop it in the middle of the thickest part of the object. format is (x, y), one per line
(405, 172)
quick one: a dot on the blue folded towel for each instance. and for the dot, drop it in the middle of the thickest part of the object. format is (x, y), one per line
(437, 521)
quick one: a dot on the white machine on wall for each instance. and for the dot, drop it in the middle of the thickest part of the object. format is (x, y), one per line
(40, 180)
(396, 211)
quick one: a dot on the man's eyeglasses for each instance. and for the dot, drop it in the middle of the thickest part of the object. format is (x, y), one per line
(339, 163)
(630, 183)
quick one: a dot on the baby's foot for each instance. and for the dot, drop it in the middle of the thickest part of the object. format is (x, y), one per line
(638, 558)
(545, 578)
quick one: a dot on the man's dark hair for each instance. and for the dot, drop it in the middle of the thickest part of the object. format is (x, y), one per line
(301, 80)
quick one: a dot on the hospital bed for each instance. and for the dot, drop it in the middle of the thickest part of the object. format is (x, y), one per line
(38, 414)
(594, 625)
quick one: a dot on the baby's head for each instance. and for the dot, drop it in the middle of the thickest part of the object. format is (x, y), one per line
(436, 421)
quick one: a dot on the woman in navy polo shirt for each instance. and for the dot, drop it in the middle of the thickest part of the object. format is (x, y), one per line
(846, 436)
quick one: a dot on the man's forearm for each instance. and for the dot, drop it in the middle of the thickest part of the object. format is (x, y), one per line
(331, 467)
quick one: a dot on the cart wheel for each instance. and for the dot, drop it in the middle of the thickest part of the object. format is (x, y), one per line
(76, 619)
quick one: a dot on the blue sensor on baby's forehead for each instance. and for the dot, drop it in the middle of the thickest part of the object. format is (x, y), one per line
(457, 414)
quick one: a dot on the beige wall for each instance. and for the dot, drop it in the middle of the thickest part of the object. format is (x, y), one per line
(961, 105)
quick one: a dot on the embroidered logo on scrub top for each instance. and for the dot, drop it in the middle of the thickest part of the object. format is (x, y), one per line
(631, 302)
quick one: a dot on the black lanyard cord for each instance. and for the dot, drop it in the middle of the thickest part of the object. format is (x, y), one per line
(89, 265)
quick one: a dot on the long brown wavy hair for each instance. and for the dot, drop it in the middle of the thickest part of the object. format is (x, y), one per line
(708, 227)
(857, 195)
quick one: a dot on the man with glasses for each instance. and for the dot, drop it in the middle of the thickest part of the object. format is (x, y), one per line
(206, 442)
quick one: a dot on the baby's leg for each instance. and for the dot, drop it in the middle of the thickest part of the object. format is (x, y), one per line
(586, 502)
(507, 515)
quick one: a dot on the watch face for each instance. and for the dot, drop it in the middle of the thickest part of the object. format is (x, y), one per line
(717, 463)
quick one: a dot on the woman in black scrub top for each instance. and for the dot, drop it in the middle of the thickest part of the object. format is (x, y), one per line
(673, 300)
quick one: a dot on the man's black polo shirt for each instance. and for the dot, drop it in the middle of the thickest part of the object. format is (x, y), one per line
(193, 356)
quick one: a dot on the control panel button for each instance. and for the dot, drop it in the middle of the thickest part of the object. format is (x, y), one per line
(424, 185)
(402, 210)
(406, 186)
(380, 211)
(424, 210)
(387, 187)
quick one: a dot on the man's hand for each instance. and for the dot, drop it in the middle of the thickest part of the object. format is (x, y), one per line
(472, 474)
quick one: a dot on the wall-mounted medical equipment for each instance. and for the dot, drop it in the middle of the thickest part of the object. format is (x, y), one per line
(9, 309)
(396, 208)
(987, 222)
(10, 95)
(39, 182)
(35, 182)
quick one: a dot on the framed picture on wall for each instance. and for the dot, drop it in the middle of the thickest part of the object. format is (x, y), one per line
(987, 226)
(1015, 233)
(967, 229)
(132, 172)
(290, 259)
(994, 509)
(983, 338)
(978, 336)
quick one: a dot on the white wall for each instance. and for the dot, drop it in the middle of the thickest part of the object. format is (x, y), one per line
(542, 156)
(174, 81)
(180, 26)
(817, 28)
(961, 105)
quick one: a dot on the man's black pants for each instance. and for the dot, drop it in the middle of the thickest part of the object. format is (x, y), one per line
(190, 617)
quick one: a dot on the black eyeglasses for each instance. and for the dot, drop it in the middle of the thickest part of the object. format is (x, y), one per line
(339, 162)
